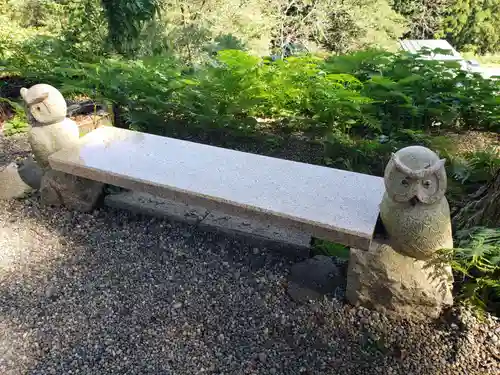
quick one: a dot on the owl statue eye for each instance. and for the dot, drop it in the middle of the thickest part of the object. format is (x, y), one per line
(37, 108)
(405, 182)
(427, 184)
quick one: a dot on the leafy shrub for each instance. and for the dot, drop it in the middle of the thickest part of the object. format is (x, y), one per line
(411, 92)
(360, 155)
(85, 33)
(240, 86)
(17, 124)
(126, 20)
(473, 25)
(34, 13)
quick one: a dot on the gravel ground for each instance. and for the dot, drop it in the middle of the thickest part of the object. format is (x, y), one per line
(114, 293)
(13, 148)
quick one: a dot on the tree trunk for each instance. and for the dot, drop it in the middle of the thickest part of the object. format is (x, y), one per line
(118, 119)
(482, 207)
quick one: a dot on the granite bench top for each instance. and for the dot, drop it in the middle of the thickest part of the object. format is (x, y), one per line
(328, 203)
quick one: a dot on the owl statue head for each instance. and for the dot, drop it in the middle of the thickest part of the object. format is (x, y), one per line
(415, 175)
(45, 104)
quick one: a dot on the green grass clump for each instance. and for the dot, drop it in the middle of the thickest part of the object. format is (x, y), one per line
(322, 247)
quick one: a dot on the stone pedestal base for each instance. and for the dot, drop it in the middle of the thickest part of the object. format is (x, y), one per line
(76, 193)
(17, 181)
(384, 280)
(12, 186)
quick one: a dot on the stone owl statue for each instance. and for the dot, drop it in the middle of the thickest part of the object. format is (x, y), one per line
(50, 129)
(414, 210)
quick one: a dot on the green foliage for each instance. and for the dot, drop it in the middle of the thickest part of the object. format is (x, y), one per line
(322, 247)
(425, 16)
(469, 25)
(19, 122)
(336, 25)
(473, 25)
(348, 102)
(76, 28)
(126, 20)
(193, 28)
(414, 93)
(358, 154)
(478, 167)
(476, 262)
(34, 13)
(85, 34)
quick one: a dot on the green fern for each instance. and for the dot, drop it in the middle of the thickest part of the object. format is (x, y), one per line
(476, 260)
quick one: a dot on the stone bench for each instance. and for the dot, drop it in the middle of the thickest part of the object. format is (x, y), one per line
(326, 203)
(223, 189)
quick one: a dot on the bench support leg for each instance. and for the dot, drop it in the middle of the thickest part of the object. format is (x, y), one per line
(76, 193)
(389, 282)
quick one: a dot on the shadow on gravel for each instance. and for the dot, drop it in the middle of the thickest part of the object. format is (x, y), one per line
(114, 293)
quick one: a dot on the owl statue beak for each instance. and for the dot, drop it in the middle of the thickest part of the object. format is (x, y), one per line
(415, 200)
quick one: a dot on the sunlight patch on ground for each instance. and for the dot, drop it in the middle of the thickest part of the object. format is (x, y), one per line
(26, 244)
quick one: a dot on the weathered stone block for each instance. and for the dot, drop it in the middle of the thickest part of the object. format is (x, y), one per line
(387, 281)
(12, 186)
(256, 229)
(148, 204)
(74, 192)
(31, 173)
(314, 278)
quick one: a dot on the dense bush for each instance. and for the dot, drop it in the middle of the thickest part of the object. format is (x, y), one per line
(191, 28)
(473, 25)
(425, 17)
(469, 25)
(337, 25)
(364, 94)
(410, 92)
(126, 20)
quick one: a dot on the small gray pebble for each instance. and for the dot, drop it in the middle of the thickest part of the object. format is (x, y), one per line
(50, 292)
